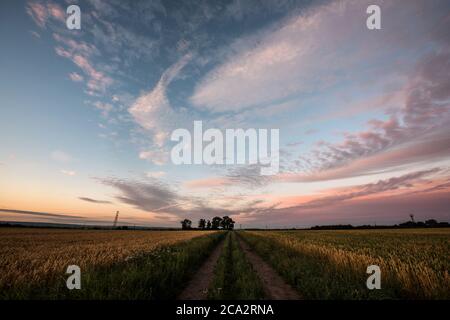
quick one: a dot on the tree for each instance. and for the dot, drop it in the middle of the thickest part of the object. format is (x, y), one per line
(201, 224)
(227, 223)
(186, 224)
(216, 223)
(208, 225)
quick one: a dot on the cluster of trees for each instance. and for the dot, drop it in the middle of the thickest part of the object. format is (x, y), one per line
(431, 223)
(215, 223)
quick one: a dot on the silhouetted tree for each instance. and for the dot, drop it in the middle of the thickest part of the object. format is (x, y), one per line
(215, 224)
(186, 224)
(208, 225)
(201, 224)
(227, 223)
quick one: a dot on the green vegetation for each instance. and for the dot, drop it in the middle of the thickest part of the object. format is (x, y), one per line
(234, 276)
(332, 264)
(158, 274)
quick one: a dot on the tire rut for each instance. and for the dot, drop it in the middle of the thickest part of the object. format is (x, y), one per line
(197, 288)
(274, 286)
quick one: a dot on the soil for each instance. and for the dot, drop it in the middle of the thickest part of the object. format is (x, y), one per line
(197, 288)
(274, 286)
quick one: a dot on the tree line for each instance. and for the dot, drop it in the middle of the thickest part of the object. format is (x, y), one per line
(226, 223)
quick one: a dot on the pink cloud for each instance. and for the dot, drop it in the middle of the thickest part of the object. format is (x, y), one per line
(208, 183)
(98, 81)
(419, 131)
(56, 11)
(424, 193)
(41, 13)
(76, 77)
(38, 12)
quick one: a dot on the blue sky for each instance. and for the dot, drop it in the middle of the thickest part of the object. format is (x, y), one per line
(86, 115)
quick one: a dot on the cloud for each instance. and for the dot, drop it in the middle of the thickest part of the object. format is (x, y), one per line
(419, 131)
(208, 182)
(76, 77)
(76, 47)
(294, 144)
(385, 200)
(61, 156)
(162, 200)
(248, 175)
(158, 157)
(56, 11)
(38, 12)
(259, 69)
(238, 176)
(105, 108)
(35, 34)
(155, 174)
(68, 172)
(152, 110)
(94, 200)
(404, 181)
(78, 53)
(316, 49)
(98, 81)
(145, 196)
(41, 13)
(36, 213)
(380, 210)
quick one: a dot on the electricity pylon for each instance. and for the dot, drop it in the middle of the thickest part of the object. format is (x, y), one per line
(115, 219)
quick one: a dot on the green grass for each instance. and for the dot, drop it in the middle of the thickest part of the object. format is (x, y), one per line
(234, 277)
(332, 264)
(160, 274)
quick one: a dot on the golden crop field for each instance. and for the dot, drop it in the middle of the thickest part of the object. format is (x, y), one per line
(36, 255)
(332, 264)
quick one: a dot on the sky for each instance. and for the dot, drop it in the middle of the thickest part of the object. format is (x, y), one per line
(363, 115)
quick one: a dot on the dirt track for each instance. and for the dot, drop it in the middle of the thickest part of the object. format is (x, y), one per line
(274, 286)
(197, 288)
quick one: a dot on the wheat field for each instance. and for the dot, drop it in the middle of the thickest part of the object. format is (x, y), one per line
(33, 256)
(332, 264)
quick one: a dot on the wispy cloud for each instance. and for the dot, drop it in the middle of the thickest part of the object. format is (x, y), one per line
(425, 115)
(61, 156)
(76, 77)
(155, 174)
(94, 200)
(152, 110)
(321, 47)
(158, 199)
(385, 199)
(41, 13)
(36, 213)
(68, 172)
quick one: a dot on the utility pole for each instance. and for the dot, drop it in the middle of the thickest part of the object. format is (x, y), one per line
(115, 219)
